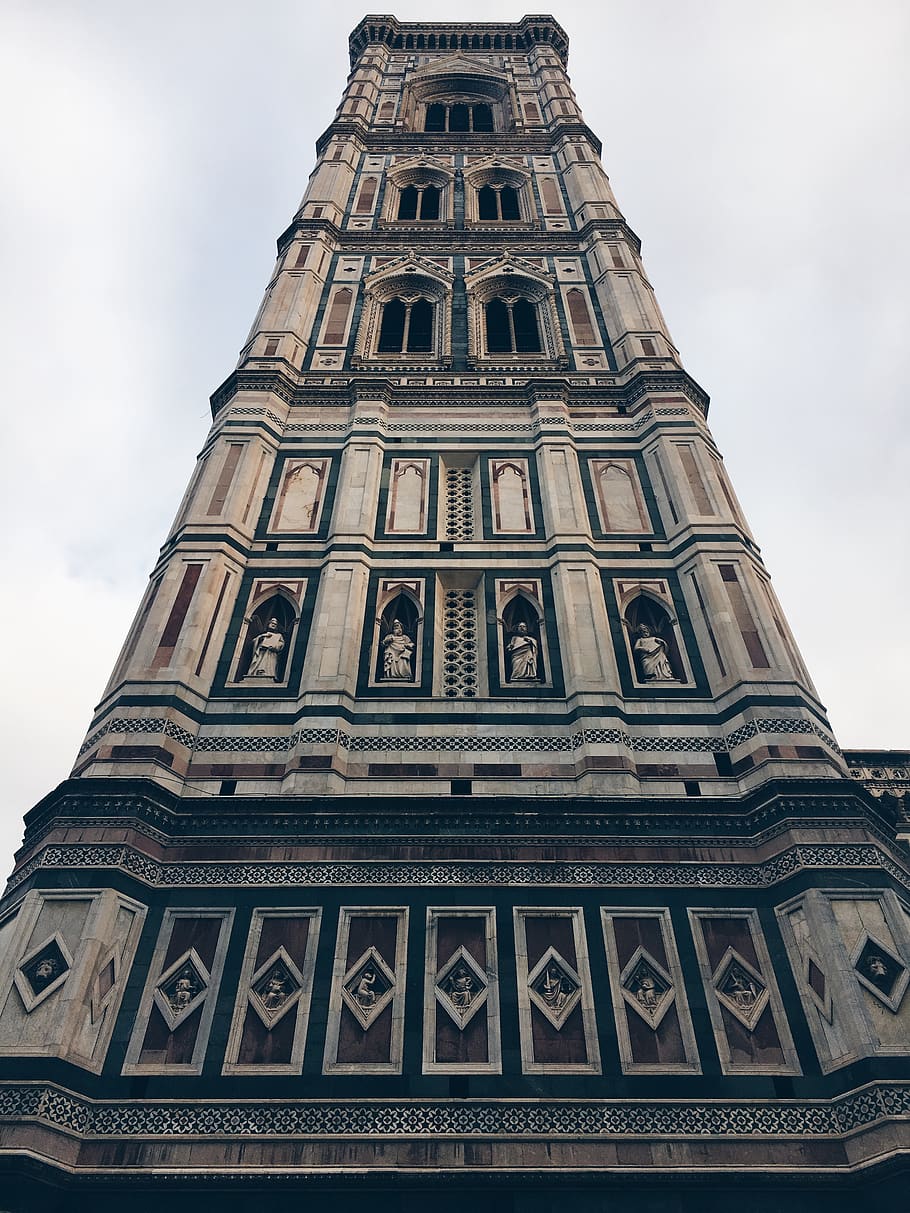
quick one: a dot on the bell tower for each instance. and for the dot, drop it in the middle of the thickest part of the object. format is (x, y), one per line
(460, 814)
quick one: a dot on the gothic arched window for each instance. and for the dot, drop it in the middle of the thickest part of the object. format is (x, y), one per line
(406, 327)
(497, 202)
(419, 202)
(459, 116)
(512, 327)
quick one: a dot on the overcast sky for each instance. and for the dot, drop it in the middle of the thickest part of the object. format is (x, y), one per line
(151, 154)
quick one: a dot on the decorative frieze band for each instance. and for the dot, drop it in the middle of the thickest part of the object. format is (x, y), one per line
(415, 1118)
(279, 743)
(461, 874)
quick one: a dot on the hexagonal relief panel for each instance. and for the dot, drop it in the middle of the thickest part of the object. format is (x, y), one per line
(42, 971)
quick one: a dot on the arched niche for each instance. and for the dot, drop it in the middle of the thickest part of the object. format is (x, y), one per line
(653, 643)
(522, 646)
(397, 648)
(263, 658)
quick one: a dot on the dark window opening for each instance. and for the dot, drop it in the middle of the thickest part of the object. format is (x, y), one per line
(483, 118)
(500, 202)
(419, 202)
(512, 327)
(459, 118)
(407, 206)
(429, 203)
(436, 118)
(406, 328)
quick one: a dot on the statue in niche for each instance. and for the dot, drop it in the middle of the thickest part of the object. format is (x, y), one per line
(266, 649)
(653, 656)
(522, 650)
(397, 650)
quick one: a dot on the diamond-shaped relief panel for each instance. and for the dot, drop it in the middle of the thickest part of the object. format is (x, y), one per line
(741, 988)
(647, 987)
(554, 987)
(817, 985)
(461, 987)
(275, 988)
(881, 972)
(43, 971)
(181, 988)
(368, 987)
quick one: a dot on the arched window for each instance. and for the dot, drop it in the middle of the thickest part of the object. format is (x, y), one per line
(459, 116)
(419, 202)
(366, 196)
(483, 118)
(436, 118)
(338, 316)
(512, 327)
(580, 317)
(497, 202)
(407, 327)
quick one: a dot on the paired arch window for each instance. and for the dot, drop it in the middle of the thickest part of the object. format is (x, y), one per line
(406, 327)
(498, 202)
(419, 202)
(512, 326)
(458, 116)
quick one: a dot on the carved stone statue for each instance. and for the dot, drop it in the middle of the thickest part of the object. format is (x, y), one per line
(266, 648)
(653, 659)
(742, 990)
(397, 649)
(522, 650)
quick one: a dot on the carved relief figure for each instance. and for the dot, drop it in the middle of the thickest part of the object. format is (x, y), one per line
(275, 993)
(647, 993)
(183, 993)
(553, 990)
(363, 991)
(877, 972)
(461, 989)
(45, 972)
(397, 649)
(653, 659)
(266, 648)
(742, 991)
(522, 650)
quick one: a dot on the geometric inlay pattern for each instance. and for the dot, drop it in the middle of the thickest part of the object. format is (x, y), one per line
(880, 972)
(459, 662)
(368, 987)
(459, 503)
(275, 988)
(740, 988)
(595, 1118)
(42, 971)
(554, 987)
(461, 987)
(182, 988)
(647, 987)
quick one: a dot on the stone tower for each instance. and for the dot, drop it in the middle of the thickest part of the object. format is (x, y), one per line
(460, 820)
